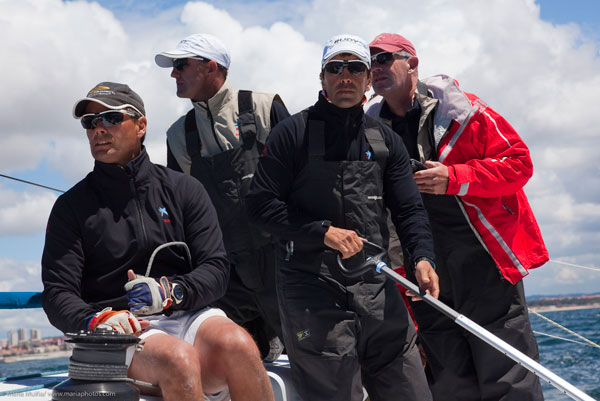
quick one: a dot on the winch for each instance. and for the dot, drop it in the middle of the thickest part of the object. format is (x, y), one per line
(98, 368)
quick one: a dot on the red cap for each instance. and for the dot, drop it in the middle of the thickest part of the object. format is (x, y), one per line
(391, 42)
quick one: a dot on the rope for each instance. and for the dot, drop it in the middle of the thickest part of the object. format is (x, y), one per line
(573, 265)
(32, 183)
(158, 248)
(103, 372)
(96, 372)
(591, 343)
(562, 338)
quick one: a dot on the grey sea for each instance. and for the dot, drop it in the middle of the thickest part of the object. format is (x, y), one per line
(577, 363)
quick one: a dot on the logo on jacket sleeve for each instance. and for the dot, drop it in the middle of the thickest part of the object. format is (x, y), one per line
(164, 214)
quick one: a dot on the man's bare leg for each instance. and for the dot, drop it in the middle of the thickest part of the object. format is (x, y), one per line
(170, 363)
(229, 356)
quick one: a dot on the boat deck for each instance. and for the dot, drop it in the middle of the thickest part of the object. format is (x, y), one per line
(39, 388)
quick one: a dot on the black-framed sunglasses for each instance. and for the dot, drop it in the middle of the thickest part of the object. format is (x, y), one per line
(385, 57)
(180, 63)
(108, 118)
(355, 67)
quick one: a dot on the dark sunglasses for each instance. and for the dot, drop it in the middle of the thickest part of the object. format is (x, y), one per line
(108, 118)
(386, 57)
(355, 67)
(180, 63)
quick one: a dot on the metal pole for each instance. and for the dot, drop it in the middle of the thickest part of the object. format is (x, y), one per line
(489, 338)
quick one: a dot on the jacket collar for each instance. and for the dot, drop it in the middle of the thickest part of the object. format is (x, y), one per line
(327, 110)
(138, 170)
(218, 101)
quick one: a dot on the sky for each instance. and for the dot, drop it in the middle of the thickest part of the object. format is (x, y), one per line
(536, 62)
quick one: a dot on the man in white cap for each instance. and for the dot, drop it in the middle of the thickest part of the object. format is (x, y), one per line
(100, 239)
(473, 168)
(323, 186)
(219, 141)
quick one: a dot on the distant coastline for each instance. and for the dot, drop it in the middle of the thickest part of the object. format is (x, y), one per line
(556, 308)
(559, 303)
(36, 356)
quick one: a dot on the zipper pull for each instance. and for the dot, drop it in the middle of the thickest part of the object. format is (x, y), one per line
(289, 247)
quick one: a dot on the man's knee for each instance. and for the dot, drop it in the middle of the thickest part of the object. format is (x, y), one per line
(182, 356)
(183, 363)
(236, 341)
(168, 354)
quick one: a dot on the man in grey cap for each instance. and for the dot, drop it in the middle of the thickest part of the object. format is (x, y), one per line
(100, 237)
(323, 186)
(218, 142)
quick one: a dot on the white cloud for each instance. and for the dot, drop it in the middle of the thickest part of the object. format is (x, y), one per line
(27, 279)
(558, 278)
(542, 78)
(24, 213)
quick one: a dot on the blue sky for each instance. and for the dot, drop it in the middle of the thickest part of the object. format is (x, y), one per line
(536, 63)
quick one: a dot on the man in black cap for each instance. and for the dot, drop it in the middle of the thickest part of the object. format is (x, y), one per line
(100, 238)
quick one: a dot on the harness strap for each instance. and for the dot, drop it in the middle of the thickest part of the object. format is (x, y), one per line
(376, 141)
(246, 119)
(316, 139)
(192, 138)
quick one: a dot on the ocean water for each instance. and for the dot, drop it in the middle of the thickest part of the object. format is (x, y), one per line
(578, 364)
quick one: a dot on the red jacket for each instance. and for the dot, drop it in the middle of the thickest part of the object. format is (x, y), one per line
(488, 165)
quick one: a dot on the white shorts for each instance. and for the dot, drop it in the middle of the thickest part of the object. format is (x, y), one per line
(180, 324)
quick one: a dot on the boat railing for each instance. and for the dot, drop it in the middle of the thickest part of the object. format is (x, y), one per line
(20, 300)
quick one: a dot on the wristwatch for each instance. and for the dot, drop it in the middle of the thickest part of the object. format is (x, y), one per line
(177, 293)
(420, 258)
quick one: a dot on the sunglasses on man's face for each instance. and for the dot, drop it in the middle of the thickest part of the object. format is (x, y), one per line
(355, 67)
(180, 63)
(386, 57)
(108, 118)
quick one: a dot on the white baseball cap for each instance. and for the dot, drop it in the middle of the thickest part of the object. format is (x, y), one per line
(199, 44)
(346, 44)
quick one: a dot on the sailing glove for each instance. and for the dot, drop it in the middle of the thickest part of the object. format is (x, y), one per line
(121, 321)
(147, 296)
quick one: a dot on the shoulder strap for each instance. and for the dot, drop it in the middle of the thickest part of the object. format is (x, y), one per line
(376, 140)
(316, 136)
(246, 119)
(192, 137)
(316, 139)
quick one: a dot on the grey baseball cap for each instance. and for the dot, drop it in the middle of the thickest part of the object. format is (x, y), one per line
(112, 95)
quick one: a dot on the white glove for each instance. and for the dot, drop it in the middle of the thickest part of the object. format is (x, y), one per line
(121, 321)
(148, 296)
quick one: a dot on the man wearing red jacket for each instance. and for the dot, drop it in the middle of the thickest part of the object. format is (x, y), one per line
(472, 172)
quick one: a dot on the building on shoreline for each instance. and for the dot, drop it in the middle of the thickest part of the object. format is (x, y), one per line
(16, 347)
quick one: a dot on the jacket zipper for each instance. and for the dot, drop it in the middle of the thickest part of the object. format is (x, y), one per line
(212, 125)
(139, 210)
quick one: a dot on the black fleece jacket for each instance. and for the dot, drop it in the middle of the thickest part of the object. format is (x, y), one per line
(286, 155)
(112, 221)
